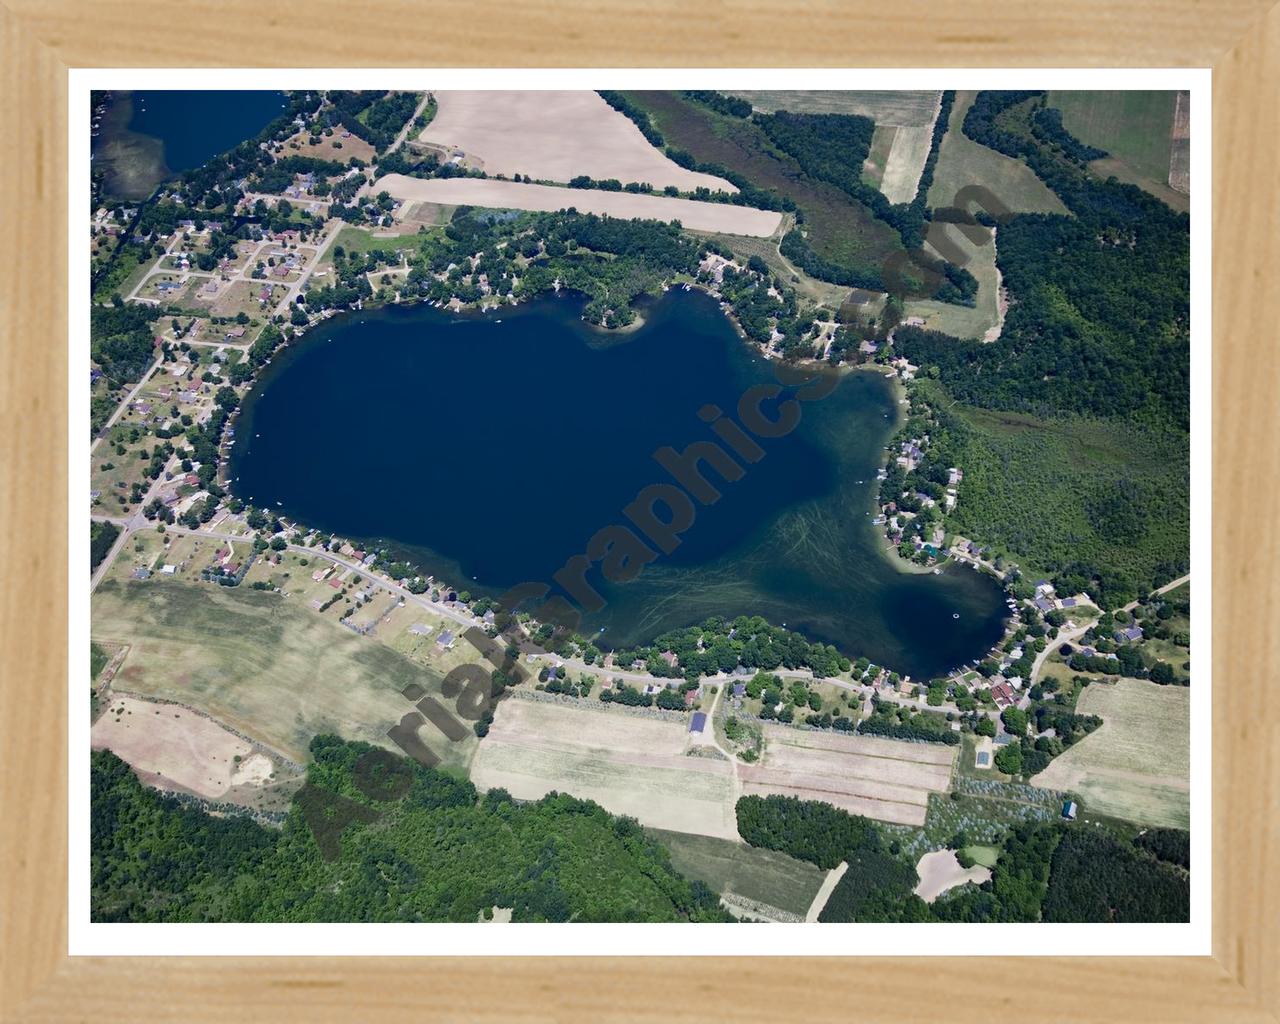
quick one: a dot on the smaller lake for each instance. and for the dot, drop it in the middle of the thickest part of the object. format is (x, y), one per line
(196, 125)
(489, 449)
(144, 138)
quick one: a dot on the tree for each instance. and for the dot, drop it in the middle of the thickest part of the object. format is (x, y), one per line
(985, 727)
(1009, 759)
(1015, 720)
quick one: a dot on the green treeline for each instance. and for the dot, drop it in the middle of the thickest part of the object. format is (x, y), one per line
(101, 537)
(805, 829)
(424, 846)
(121, 342)
(721, 645)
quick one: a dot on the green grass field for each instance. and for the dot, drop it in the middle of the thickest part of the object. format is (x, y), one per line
(269, 667)
(98, 659)
(1137, 765)
(965, 321)
(984, 855)
(961, 162)
(1133, 127)
(758, 874)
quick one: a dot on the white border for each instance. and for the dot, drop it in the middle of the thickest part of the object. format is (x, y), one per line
(87, 938)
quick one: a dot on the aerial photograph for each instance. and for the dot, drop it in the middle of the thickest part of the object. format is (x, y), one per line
(639, 506)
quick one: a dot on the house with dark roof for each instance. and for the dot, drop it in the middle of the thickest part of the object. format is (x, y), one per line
(1132, 633)
(698, 722)
(1044, 604)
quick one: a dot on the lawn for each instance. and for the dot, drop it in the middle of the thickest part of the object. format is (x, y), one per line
(263, 664)
(962, 162)
(1134, 127)
(1136, 766)
(984, 855)
(761, 875)
(98, 658)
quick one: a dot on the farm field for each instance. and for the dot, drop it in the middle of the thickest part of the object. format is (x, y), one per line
(266, 665)
(878, 154)
(553, 136)
(906, 108)
(1136, 766)
(879, 778)
(838, 228)
(984, 318)
(905, 164)
(760, 875)
(1136, 130)
(174, 748)
(627, 763)
(488, 192)
(962, 162)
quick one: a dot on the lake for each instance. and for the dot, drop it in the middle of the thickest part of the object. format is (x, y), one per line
(147, 136)
(489, 449)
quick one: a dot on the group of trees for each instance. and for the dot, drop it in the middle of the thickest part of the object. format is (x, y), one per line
(890, 719)
(721, 645)
(408, 843)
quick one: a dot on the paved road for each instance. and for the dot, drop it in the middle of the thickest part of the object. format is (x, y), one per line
(1075, 634)
(124, 404)
(825, 890)
(295, 289)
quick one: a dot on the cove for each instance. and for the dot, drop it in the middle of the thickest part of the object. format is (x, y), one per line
(489, 449)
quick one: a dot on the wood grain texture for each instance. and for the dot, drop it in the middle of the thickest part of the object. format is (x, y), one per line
(658, 33)
(39, 40)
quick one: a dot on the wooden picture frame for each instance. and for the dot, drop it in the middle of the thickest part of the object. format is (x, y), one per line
(1239, 39)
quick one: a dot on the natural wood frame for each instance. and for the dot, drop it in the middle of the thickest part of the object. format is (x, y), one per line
(40, 39)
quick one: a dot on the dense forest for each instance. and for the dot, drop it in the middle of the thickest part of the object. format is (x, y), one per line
(375, 837)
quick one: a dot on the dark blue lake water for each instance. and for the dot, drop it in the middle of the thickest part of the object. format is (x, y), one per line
(196, 125)
(490, 449)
